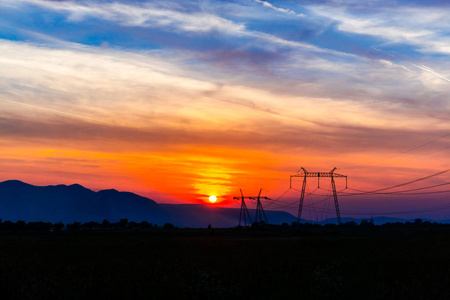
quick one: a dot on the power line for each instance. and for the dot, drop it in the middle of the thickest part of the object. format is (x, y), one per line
(434, 151)
(407, 151)
(399, 185)
(402, 192)
(278, 198)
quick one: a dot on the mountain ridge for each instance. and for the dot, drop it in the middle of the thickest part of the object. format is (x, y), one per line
(72, 203)
(75, 203)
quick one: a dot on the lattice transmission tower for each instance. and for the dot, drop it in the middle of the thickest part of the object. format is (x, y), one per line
(244, 211)
(306, 174)
(244, 214)
(259, 208)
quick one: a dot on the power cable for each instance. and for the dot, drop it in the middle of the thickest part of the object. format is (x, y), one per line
(406, 151)
(399, 185)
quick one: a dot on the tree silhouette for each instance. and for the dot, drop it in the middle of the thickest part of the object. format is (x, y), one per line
(145, 225)
(58, 226)
(106, 224)
(168, 226)
(123, 223)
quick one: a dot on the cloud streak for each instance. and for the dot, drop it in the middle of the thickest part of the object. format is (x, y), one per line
(279, 9)
(425, 68)
(143, 15)
(198, 23)
(421, 27)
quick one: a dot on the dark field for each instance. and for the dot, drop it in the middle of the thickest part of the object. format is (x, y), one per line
(321, 263)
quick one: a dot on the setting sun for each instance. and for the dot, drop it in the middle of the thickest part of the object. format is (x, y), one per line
(212, 199)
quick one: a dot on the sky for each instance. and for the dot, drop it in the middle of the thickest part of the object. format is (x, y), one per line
(179, 100)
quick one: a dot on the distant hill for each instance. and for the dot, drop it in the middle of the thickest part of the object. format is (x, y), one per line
(73, 203)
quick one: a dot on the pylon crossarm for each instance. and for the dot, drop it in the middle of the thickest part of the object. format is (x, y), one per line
(318, 174)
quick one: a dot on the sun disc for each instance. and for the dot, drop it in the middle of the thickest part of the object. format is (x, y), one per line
(212, 198)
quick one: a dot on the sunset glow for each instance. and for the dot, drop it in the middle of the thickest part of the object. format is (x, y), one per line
(179, 100)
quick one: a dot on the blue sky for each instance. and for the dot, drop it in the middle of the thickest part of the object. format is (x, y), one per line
(319, 84)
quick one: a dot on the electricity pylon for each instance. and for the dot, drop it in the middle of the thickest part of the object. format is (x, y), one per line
(244, 211)
(330, 174)
(259, 209)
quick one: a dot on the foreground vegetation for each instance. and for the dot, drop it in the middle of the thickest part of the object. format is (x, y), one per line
(393, 261)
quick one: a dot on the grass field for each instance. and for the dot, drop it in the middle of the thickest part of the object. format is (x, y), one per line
(321, 263)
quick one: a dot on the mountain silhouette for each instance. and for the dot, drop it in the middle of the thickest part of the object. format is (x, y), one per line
(73, 203)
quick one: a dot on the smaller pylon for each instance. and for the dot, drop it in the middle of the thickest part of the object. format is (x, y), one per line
(259, 209)
(244, 211)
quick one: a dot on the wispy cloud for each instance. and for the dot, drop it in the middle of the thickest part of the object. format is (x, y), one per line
(149, 15)
(143, 15)
(152, 89)
(279, 9)
(422, 27)
(157, 101)
(425, 68)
